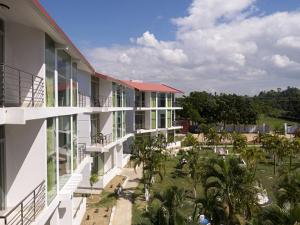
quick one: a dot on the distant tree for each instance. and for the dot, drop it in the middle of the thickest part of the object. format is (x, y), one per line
(189, 140)
(239, 142)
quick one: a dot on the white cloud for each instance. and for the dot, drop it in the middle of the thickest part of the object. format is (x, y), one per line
(281, 61)
(290, 41)
(220, 45)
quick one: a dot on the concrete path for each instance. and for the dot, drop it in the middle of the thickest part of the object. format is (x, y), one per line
(123, 212)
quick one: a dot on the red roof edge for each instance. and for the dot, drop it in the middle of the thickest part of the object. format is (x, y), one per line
(110, 78)
(55, 25)
(179, 91)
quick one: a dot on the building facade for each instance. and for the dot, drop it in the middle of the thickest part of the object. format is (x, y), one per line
(61, 121)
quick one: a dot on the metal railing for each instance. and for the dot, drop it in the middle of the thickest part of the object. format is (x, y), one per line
(102, 139)
(28, 209)
(81, 152)
(82, 99)
(19, 88)
(102, 101)
(78, 208)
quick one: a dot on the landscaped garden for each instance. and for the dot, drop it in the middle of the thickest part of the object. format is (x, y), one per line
(259, 184)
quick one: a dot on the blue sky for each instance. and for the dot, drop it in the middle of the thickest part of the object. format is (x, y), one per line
(232, 46)
(107, 22)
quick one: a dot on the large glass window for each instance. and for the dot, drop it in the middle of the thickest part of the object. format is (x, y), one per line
(153, 99)
(161, 100)
(98, 164)
(161, 119)
(95, 91)
(2, 169)
(124, 123)
(119, 124)
(51, 160)
(50, 68)
(140, 120)
(169, 100)
(64, 76)
(74, 142)
(169, 118)
(64, 145)
(74, 84)
(153, 119)
(114, 126)
(139, 99)
(95, 127)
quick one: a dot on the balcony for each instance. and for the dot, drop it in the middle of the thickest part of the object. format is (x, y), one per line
(27, 210)
(99, 142)
(101, 101)
(19, 88)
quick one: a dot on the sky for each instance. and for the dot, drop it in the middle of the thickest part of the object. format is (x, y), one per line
(232, 46)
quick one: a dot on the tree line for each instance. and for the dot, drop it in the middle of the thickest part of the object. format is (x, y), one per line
(206, 108)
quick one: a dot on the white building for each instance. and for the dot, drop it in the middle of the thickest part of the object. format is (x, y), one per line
(60, 121)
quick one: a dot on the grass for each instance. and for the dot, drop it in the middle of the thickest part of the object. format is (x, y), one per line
(108, 199)
(272, 121)
(264, 175)
(170, 179)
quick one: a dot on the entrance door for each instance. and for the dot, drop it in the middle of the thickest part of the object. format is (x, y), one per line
(1, 60)
(2, 169)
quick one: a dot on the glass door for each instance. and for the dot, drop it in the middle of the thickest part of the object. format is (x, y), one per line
(1, 60)
(2, 171)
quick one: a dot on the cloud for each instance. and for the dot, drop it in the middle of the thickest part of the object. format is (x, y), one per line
(290, 41)
(225, 46)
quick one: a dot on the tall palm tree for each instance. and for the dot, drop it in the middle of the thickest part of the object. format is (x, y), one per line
(252, 156)
(171, 205)
(239, 142)
(230, 183)
(212, 137)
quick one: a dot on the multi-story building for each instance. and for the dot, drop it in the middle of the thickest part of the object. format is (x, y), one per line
(155, 110)
(60, 120)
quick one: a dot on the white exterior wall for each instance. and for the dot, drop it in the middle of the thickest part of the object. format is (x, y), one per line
(26, 165)
(24, 50)
(105, 88)
(106, 123)
(84, 85)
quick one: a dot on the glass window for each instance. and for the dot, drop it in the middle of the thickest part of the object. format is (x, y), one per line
(162, 120)
(2, 168)
(51, 160)
(169, 118)
(64, 144)
(50, 68)
(153, 99)
(169, 100)
(74, 84)
(119, 124)
(124, 97)
(95, 91)
(161, 100)
(140, 120)
(98, 164)
(119, 95)
(153, 119)
(1, 41)
(124, 123)
(75, 142)
(64, 76)
(95, 127)
(114, 126)
(114, 94)
(139, 99)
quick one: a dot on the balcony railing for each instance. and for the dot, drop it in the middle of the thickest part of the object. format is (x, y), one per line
(81, 152)
(102, 139)
(83, 99)
(19, 88)
(176, 123)
(28, 209)
(102, 101)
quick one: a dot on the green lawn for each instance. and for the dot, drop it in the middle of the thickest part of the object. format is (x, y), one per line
(264, 174)
(272, 121)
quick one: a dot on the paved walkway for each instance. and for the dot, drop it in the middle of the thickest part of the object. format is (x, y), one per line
(123, 212)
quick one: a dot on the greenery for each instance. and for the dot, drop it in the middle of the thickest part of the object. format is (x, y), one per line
(271, 107)
(197, 181)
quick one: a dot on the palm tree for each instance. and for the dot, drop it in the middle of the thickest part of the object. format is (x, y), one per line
(229, 182)
(252, 156)
(225, 137)
(212, 137)
(292, 147)
(171, 205)
(274, 145)
(94, 178)
(275, 215)
(239, 142)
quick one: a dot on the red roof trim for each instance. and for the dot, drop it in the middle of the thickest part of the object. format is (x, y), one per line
(55, 25)
(141, 86)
